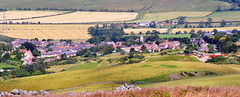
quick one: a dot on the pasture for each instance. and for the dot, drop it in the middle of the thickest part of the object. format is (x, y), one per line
(144, 30)
(218, 16)
(85, 17)
(162, 16)
(203, 29)
(57, 32)
(27, 14)
(154, 71)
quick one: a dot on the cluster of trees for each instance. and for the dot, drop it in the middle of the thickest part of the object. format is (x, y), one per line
(31, 47)
(73, 9)
(91, 52)
(133, 57)
(226, 43)
(27, 70)
(104, 33)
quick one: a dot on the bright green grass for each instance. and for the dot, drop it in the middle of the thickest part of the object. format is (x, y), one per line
(130, 72)
(172, 58)
(83, 66)
(2, 65)
(225, 80)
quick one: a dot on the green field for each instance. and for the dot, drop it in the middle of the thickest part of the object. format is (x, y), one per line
(155, 70)
(218, 16)
(3, 65)
(125, 5)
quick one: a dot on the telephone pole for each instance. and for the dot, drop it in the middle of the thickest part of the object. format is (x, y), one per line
(4, 28)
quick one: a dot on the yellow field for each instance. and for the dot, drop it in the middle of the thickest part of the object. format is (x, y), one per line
(144, 30)
(27, 14)
(203, 29)
(48, 31)
(85, 17)
(171, 15)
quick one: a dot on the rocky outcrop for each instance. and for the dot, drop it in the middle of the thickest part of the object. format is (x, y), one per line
(16, 92)
(126, 87)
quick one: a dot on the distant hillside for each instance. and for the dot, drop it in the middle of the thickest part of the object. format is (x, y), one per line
(124, 5)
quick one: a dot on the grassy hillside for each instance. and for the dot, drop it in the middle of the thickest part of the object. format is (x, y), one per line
(155, 71)
(226, 80)
(137, 5)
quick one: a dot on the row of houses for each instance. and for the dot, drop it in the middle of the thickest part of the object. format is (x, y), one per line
(153, 47)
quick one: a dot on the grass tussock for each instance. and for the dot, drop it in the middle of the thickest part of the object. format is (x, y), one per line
(177, 91)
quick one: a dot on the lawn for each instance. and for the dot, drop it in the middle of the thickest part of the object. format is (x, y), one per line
(3, 65)
(145, 71)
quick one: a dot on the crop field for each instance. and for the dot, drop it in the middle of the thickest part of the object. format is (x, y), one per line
(2, 65)
(218, 16)
(144, 30)
(85, 17)
(154, 71)
(27, 14)
(203, 29)
(56, 32)
(162, 16)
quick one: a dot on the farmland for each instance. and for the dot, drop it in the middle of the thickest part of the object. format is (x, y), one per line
(84, 17)
(155, 71)
(162, 16)
(218, 16)
(203, 29)
(124, 5)
(56, 32)
(28, 14)
(143, 30)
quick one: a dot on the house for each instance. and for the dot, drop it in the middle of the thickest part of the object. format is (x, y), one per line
(145, 24)
(27, 58)
(23, 50)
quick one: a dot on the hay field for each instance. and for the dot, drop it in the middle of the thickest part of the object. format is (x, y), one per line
(155, 70)
(144, 30)
(203, 29)
(162, 16)
(27, 14)
(48, 31)
(85, 17)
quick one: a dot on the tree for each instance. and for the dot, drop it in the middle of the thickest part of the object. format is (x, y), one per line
(211, 48)
(18, 56)
(209, 22)
(223, 23)
(219, 8)
(193, 35)
(201, 23)
(7, 55)
(132, 50)
(64, 56)
(144, 48)
(181, 20)
(153, 24)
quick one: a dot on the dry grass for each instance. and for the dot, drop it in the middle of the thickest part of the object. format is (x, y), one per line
(85, 17)
(203, 29)
(48, 31)
(27, 14)
(177, 91)
(144, 30)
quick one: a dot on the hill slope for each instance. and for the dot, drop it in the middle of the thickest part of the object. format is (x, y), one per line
(137, 5)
